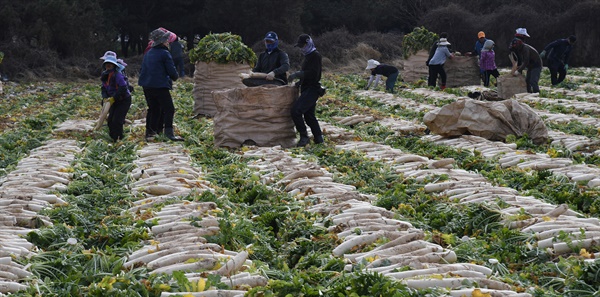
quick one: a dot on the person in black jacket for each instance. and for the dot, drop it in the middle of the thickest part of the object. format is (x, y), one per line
(273, 61)
(303, 108)
(377, 70)
(557, 54)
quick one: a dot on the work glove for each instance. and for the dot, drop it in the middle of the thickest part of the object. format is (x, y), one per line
(296, 75)
(566, 67)
(543, 54)
(270, 75)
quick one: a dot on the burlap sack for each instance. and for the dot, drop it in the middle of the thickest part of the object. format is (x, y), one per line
(213, 76)
(509, 85)
(460, 71)
(490, 120)
(414, 67)
(257, 115)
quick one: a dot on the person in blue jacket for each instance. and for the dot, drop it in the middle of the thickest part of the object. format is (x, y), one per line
(478, 47)
(557, 54)
(156, 79)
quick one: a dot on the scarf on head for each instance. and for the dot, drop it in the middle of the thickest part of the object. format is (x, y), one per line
(309, 47)
(272, 46)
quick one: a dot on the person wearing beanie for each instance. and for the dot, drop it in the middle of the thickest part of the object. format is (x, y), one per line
(530, 60)
(436, 64)
(156, 78)
(115, 89)
(557, 54)
(377, 70)
(273, 61)
(487, 62)
(303, 109)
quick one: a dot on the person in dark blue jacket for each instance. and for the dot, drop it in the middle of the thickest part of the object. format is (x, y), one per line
(557, 54)
(273, 61)
(156, 78)
(304, 107)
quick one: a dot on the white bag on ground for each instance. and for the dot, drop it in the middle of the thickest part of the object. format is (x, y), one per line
(490, 120)
(257, 115)
(213, 76)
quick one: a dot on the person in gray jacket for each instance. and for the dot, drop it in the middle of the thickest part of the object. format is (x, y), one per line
(436, 64)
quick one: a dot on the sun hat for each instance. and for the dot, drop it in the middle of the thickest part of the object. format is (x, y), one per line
(371, 64)
(481, 34)
(112, 60)
(522, 32)
(443, 41)
(108, 54)
(302, 40)
(159, 36)
(120, 61)
(271, 36)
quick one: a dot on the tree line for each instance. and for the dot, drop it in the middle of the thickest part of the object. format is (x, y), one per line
(37, 33)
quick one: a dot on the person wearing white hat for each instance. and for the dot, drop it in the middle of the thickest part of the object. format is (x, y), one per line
(530, 60)
(436, 64)
(377, 70)
(115, 89)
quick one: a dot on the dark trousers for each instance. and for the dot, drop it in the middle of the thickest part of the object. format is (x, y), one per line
(532, 78)
(179, 65)
(390, 82)
(557, 74)
(303, 110)
(486, 76)
(160, 110)
(434, 71)
(116, 118)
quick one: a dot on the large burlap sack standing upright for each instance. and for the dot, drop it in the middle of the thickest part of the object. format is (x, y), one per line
(415, 68)
(212, 76)
(490, 120)
(258, 115)
(462, 71)
(509, 85)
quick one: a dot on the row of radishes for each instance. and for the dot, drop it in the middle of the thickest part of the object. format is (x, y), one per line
(358, 223)
(24, 192)
(164, 172)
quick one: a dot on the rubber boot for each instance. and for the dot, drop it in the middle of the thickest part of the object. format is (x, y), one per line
(318, 139)
(150, 136)
(304, 140)
(169, 134)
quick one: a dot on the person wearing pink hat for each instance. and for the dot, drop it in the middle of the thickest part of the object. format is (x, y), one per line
(156, 78)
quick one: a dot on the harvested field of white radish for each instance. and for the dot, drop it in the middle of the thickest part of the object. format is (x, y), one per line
(383, 208)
